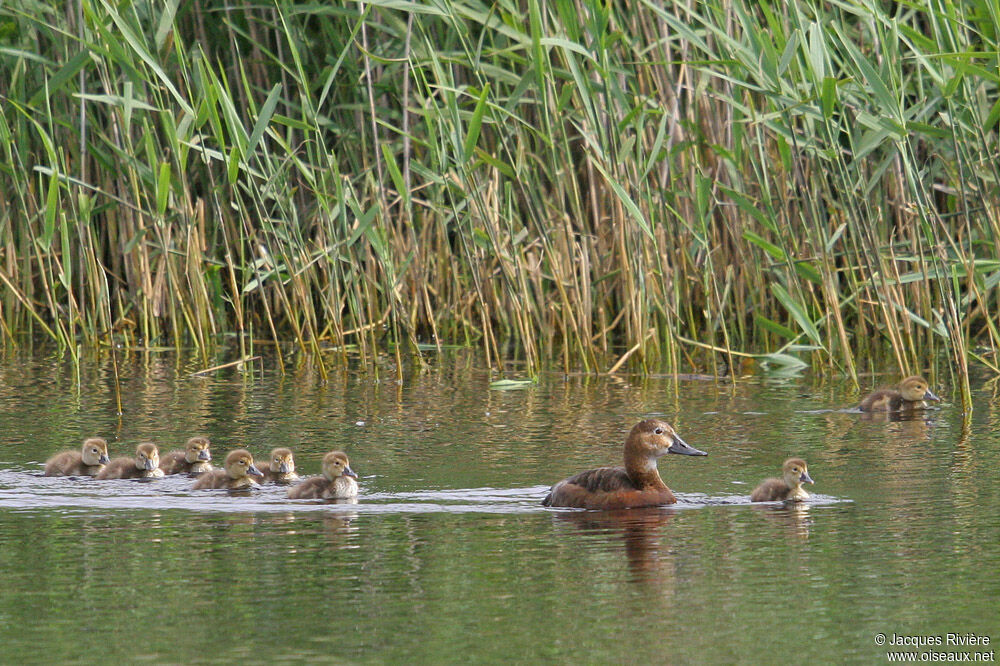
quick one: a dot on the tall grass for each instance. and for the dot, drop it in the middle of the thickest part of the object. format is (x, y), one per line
(578, 183)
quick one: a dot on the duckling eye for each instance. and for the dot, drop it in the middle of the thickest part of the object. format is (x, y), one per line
(658, 431)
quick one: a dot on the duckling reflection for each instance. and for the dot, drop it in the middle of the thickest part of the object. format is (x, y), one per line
(279, 468)
(194, 459)
(793, 517)
(144, 465)
(235, 475)
(88, 461)
(649, 559)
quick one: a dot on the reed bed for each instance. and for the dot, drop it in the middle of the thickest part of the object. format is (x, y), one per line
(588, 185)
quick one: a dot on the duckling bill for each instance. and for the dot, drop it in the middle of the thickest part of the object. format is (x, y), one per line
(637, 484)
(912, 393)
(788, 488)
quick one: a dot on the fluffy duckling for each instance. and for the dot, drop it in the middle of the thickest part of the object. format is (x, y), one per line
(788, 487)
(88, 461)
(145, 465)
(912, 393)
(337, 482)
(236, 474)
(636, 484)
(280, 468)
(194, 459)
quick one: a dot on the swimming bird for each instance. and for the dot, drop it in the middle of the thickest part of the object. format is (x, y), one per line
(788, 488)
(145, 464)
(235, 474)
(912, 393)
(88, 461)
(194, 459)
(637, 484)
(337, 481)
(280, 468)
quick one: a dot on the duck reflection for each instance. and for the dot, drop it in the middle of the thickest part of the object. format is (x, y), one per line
(649, 559)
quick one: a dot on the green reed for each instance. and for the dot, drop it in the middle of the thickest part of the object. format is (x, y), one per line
(573, 183)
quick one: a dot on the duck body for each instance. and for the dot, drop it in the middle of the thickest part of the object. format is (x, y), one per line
(786, 489)
(235, 475)
(338, 481)
(912, 393)
(194, 459)
(88, 461)
(637, 484)
(144, 465)
(280, 468)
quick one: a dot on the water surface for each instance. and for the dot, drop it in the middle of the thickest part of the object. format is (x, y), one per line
(448, 557)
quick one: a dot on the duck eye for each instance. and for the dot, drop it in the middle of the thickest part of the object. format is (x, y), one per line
(658, 431)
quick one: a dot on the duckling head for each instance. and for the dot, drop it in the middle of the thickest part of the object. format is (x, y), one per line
(239, 463)
(196, 450)
(795, 473)
(654, 438)
(916, 389)
(147, 456)
(282, 461)
(335, 464)
(95, 451)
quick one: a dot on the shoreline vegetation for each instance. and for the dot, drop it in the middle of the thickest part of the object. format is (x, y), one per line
(582, 184)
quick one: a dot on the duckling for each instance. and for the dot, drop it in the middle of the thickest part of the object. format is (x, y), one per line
(337, 482)
(636, 484)
(280, 469)
(145, 465)
(194, 459)
(788, 487)
(239, 464)
(912, 393)
(88, 461)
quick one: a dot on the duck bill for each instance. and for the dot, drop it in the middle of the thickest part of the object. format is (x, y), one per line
(253, 471)
(805, 478)
(149, 465)
(204, 455)
(283, 468)
(350, 472)
(104, 459)
(929, 395)
(683, 448)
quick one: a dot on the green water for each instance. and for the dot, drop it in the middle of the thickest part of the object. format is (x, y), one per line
(448, 558)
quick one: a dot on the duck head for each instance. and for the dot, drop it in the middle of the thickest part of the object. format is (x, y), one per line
(282, 461)
(95, 451)
(654, 438)
(147, 457)
(335, 464)
(239, 463)
(795, 473)
(916, 389)
(196, 450)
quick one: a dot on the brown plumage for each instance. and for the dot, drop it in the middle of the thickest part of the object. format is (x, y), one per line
(194, 459)
(337, 481)
(144, 465)
(88, 461)
(789, 487)
(636, 484)
(279, 468)
(236, 474)
(912, 393)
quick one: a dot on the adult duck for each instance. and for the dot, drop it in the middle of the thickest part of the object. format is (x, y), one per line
(637, 484)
